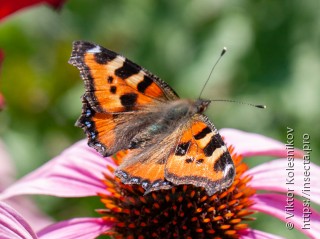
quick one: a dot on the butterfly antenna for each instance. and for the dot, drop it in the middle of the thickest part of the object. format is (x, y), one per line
(224, 50)
(242, 103)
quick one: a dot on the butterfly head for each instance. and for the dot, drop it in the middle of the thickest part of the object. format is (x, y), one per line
(202, 105)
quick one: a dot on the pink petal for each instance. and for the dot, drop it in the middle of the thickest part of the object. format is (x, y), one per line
(22, 204)
(12, 225)
(277, 176)
(255, 234)
(29, 211)
(80, 228)
(275, 205)
(76, 172)
(250, 144)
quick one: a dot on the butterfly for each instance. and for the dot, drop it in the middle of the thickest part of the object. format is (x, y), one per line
(168, 141)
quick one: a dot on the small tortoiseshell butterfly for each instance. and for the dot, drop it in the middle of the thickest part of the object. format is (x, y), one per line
(169, 141)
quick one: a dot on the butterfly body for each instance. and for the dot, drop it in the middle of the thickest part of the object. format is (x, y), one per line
(168, 141)
(165, 119)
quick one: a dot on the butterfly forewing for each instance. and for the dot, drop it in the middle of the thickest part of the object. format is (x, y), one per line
(99, 128)
(114, 86)
(200, 158)
(114, 83)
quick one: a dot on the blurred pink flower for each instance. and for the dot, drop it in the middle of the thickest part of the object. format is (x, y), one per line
(21, 203)
(80, 171)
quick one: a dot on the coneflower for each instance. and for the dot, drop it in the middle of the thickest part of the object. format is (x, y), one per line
(180, 212)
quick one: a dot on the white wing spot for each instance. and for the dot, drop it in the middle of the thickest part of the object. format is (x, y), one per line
(226, 170)
(95, 50)
(224, 148)
(121, 58)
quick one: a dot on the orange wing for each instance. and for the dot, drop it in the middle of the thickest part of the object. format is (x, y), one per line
(114, 83)
(149, 174)
(118, 93)
(201, 158)
(145, 166)
(100, 129)
(109, 133)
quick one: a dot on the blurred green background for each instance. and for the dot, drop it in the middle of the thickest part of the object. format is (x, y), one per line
(273, 58)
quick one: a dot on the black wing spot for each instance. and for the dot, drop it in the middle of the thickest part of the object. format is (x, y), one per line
(182, 148)
(144, 84)
(202, 133)
(199, 161)
(128, 69)
(128, 100)
(103, 58)
(113, 89)
(214, 143)
(189, 160)
(110, 79)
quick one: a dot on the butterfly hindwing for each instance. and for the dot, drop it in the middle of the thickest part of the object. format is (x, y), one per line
(200, 158)
(147, 172)
(145, 166)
